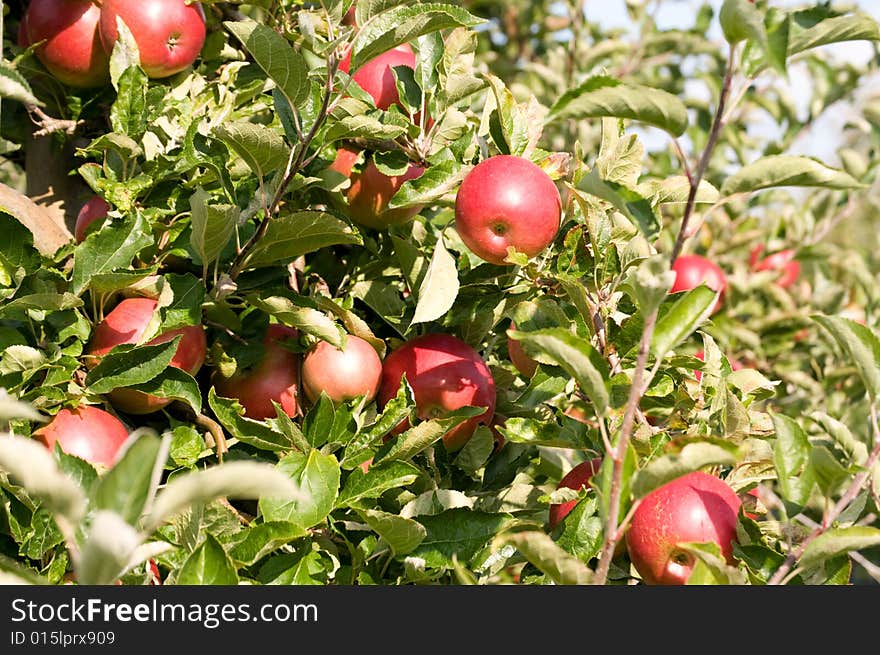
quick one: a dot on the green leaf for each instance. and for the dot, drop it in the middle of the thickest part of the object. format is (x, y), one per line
(711, 568)
(209, 564)
(571, 434)
(174, 383)
(787, 170)
(110, 249)
(376, 481)
(363, 126)
(233, 479)
(125, 366)
(403, 24)
(127, 487)
(628, 202)
(740, 20)
(109, 547)
(41, 301)
(261, 147)
(649, 282)
(439, 287)
(425, 434)
(212, 226)
(128, 113)
(688, 313)
(791, 457)
(317, 478)
(430, 187)
(275, 55)
(292, 235)
(474, 454)
(305, 318)
(560, 566)
(402, 535)
(692, 457)
(582, 530)
(14, 86)
(602, 95)
(457, 532)
(360, 448)
(229, 413)
(861, 344)
(834, 30)
(838, 541)
(576, 356)
(264, 538)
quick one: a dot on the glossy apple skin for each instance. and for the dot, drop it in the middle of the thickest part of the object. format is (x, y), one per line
(507, 201)
(376, 76)
(169, 33)
(693, 270)
(696, 507)
(275, 377)
(72, 52)
(94, 209)
(126, 324)
(371, 190)
(86, 432)
(342, 374)
(579, 476)
(782, 261)
(445, 374)
(518, 357)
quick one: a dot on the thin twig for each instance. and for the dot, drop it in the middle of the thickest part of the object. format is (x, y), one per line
(715, 132)
(216, 432)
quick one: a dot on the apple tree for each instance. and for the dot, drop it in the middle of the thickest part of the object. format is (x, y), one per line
(386, 292)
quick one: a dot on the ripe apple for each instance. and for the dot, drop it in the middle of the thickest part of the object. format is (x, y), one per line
(274, 377)
(579, 476)
(86, 432)
(782, 261)
(445, 374)
(693, 270)
(696, 507)
(72, 50)
(93, 210)
(518, 357)
(371, 191)
(376, 76)
(507, 201)
(169, 33)
(342, 374)
(126, 324)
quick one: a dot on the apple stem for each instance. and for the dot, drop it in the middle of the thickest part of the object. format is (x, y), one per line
(216, 433)
(703, 164)
(831, 516)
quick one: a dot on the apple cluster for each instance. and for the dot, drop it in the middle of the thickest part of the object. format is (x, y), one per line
(74, 39)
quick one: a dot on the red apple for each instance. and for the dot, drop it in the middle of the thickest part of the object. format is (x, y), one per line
(72, 50)
(350, 18)
(93, 210)
(169, 33)
(126, 324)
(371, 191)
(693, 270)
(518, 357)
(696, 507)
(578, 477)
(782, 261)
(376, 76)
(342, 374)
(274, 377)
(86, 432)
(445, 374)
(507, 201)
